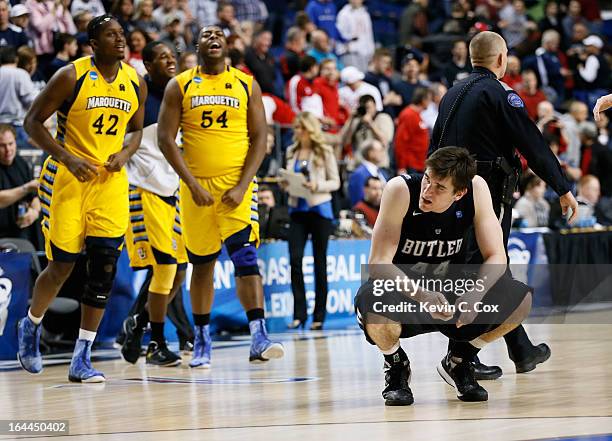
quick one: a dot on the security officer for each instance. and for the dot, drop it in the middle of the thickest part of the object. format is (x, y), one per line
(488, 118)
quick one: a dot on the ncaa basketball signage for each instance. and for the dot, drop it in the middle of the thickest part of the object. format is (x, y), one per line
(344, 260)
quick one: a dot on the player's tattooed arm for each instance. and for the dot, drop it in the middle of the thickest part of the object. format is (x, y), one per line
(116, 161)
(167, 127)
(60, 88)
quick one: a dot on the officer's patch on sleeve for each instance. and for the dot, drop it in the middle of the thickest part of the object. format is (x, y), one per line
(515, 101)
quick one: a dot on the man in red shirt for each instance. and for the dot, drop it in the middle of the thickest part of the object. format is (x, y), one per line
(531, 95)
(370, 204)
(300, 93)
(412, 137)
(326, 86)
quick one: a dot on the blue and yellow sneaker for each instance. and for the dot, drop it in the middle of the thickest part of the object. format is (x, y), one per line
(202, 347)
(28, 354)
(81, 370)
(262, 348)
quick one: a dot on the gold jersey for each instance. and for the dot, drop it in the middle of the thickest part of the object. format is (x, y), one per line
(92, 124)
(214, 121)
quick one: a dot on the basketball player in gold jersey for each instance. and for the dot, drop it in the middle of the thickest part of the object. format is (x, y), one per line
(221, 114)
(83, 185)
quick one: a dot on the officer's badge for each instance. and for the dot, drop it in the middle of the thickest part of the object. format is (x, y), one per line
(515, 101)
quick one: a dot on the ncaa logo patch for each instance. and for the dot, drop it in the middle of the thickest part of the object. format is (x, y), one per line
(515, 101)
(459, 214)
(93, 76)
(197, 80)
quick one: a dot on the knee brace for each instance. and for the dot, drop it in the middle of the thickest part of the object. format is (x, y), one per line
(163, 278)
(101, 270)
(242, 253)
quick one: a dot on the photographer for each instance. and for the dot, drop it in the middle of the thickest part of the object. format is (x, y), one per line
(366, 124)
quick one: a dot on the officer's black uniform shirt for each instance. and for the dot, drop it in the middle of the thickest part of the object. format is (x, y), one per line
(490, 122)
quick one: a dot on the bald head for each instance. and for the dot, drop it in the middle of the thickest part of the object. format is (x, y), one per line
(488, 49)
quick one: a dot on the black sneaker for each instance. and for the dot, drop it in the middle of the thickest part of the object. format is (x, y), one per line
(461, 377)
(484, 372)
(540, 354)
(397, 384)
(160, 355)
(133, 340)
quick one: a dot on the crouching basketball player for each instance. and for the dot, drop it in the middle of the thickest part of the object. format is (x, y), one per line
(421, 225)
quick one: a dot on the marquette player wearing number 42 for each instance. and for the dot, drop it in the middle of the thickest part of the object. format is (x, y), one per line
(221, 114)
(83, 185)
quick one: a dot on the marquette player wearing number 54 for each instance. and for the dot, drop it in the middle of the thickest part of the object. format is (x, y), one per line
(221, 114)
(83, 185)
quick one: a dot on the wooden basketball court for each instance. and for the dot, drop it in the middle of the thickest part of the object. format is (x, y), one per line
(326, 388)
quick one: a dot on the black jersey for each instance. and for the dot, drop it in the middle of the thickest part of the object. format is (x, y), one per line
(434, 237)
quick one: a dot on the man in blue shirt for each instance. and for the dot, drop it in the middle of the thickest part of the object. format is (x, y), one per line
(10, 35)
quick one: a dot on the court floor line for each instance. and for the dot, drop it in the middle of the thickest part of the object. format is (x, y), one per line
(317, 424)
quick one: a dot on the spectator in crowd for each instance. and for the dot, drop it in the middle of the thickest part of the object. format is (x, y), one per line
(578, 113)
(593, 70)
(66, 48)
(10, 35)
(531, 95)
(19, 205)
(374, 157)
(273, 219)
(300, 89)
(123, 10)
(370, 204)
(253, 11)
(514, 23)
(311, 216)
(412, 138)
(588, 198)
(16, 94)
(429, 115)
(603, 130)
(188, 60)
(355, 88)
(409, 80)
(550, 64)
(204, 11)
(85, 48)
(168, 9)
(459, 67)
(302, 21)
(532, 208)
(137, 40)
(26, 60)
(513, 76)
(260, 61)
(413, 21)
(294, 51)
(20, 16)
(380, 75)
(145, 20)
(326, 86)
(173, 35)
(355, 26)
(321, 47)
(573, 16)
(48, 17)
(323, 14)
(94, 7)
(367, 123)
(552, 18)
(82, 18)
(227, 20)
